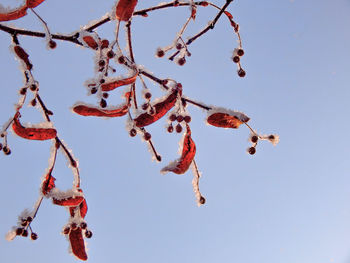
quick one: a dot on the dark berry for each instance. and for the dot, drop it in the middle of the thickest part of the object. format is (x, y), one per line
(121, 60)
(152, 111)
(25, 233)
(159, 158)
(103, 103)
(170, 128)
(178, 128)
(88, 234)
(202, 200)
(101, 63)
(33, 102)
(251, 150)
(6, 150)
(132, 132)
(241, 73)
(110, 54)
(145, 106)
(52, 44)
(34, 236)
(148, 95)
(29, 219)
(240, 52)
(104, 43)
(93, 90)
(83, 225)
(24, 223)
(179, 118)
(66, 230)
(23, 91)
(147, 136)
(74, 226)
(178, 46)
(236, 59)
(33, 87)
(254, 139)
(19, 231)
(105, 95)
(102, 81)
(181, 61)
(187, 119)
(160, 53)
(172, 117)
(271, 137)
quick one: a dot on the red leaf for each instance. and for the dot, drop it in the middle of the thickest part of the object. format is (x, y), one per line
(181, 165)
(14, 14)
(33, 3)
(91, 111)
(160, 108)
(108, 86)
(71, 201)
(32, 133)
(90, 41)
(20, 52)
(77, 243)
(83, 208)
(225, 120)
(48, 184)
(125, 9)
(193, 12)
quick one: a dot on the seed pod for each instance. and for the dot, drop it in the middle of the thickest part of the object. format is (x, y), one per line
(85, 110)
(77, 243)
(231, 119)
(161, 108)
(111, 85)
(70, 201)
(32, 133)
(182, 164)
(125, 9)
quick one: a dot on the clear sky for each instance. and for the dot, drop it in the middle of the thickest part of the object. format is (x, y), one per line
(285, 204)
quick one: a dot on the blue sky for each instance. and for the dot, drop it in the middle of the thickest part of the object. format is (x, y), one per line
(285, 204)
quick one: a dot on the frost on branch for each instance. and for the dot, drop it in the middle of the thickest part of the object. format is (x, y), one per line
(140, 107)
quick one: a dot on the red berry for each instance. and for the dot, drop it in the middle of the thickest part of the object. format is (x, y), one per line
(181, 61)
(240, 52)
(52, 44)
(145, 106)
(66, 230)
(148, 95)
(102, 81)
(202, 200)
(187, 119)
(101, 63)
(29, 219)
(23, 91)
(25, 233)
(236, 59)
(178, 128)
(172, 117)
(88, 234)
(6, 150)
(241, 73)
(110, 54)
(19, 231)
(160, 53)
(132, 132)
(104, 43)
(33, 87)
(83, 225)
(152, 111)
(121, 60)
(178, 46)
(93, 90)
(33, 102)
(34, 236)
(105, 95)
(147, 136)
(74, 226)
(180, 118)
(251, 150)
(254, 139)
(103, 103)
(170, 128)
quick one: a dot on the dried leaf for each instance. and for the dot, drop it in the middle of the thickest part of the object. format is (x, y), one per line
(20, 52)
(33, 3)
(181, 165)
(14, 14)
(77, 243)
(160, 108)
(71, 201)
(32, 133)
(48, 184)
(111, 85)
(90, 41)
(125, 9)
(226, 120)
